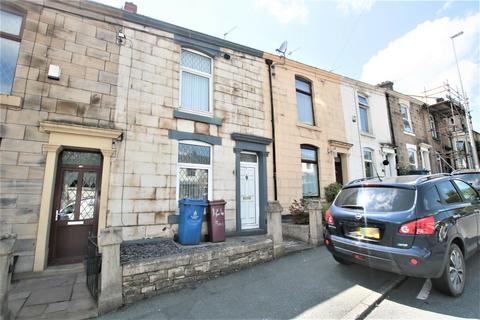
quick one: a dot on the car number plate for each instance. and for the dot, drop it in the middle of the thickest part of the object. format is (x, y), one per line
(365, 232)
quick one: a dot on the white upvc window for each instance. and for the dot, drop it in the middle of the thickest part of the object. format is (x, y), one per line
(433, 129)
(407, 120)
(194, 170)
(368, 162)
(196, 71)
(363, 112)
(412, 155)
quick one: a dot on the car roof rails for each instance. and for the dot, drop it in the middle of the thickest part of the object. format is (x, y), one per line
(359, 180)
(457, 171)
(431, 177)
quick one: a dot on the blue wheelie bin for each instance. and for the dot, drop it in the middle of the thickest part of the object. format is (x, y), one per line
(191, 217)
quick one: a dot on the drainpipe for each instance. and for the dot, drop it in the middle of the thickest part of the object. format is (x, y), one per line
(272, 112)
(392, 133)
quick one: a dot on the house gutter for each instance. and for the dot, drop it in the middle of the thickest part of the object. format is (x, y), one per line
(269, 62)
(392, 134)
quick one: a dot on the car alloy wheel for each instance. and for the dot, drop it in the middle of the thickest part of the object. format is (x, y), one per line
(456, 270)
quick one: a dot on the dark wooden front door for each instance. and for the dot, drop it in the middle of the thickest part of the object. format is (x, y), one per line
(338, 169)
(75, 207)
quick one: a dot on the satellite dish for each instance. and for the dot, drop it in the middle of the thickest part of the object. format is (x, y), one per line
(283, 48)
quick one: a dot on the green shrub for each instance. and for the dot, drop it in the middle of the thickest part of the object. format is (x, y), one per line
(331, 191)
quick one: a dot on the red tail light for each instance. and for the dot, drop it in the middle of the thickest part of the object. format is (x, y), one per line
(328, 217)
(421, 226)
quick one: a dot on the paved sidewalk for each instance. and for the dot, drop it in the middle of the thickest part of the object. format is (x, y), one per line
(308, 284)
(57, 296)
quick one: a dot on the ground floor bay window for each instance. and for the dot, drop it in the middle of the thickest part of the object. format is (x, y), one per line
(309, 171)
(194, 173)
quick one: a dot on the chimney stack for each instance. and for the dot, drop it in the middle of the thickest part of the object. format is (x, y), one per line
(386, 84)
(130, 7)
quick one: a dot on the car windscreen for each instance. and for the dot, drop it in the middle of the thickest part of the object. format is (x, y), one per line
(376, 199)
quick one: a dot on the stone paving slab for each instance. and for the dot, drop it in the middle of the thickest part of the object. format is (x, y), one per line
(64, 297)
(49, 295)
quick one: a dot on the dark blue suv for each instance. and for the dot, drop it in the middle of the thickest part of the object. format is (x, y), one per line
(420, 226)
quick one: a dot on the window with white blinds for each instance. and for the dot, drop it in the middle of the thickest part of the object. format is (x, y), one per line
(196, 82)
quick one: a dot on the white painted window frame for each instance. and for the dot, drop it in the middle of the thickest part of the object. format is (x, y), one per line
(365, 160)
(367, 110)
(198, 73)
(186, 165)
(409, 118)
(412, 147)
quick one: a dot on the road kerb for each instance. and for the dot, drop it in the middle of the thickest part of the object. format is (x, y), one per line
(362, 309)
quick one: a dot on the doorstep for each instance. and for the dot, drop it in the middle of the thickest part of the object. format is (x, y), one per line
(57, 293)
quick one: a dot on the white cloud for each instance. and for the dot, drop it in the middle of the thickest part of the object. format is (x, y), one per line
(354, 6)
(285, 10)
(423, 58)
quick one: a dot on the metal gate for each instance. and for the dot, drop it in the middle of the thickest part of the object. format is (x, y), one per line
(93, 266)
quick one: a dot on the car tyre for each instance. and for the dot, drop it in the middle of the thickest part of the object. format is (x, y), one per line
(341, 260)
(452, 280)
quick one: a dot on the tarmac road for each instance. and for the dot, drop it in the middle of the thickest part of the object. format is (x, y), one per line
(402, 302)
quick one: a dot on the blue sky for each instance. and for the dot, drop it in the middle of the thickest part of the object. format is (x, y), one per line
(407, 42)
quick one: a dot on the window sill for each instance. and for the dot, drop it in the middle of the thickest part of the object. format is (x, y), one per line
(307, 126)
(10, 101)
(181, 114)
(367, 134)
(409, 133)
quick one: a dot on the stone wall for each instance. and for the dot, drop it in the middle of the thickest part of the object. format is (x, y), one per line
(421, 133)
(145, 278)
(296, 231)
(133, 87)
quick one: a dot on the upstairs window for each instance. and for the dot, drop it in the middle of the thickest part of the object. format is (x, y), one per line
(11, 25)
(309, 171)
(194, 173)
(363, 113)
(433, 129)
(196, 82)
(368, 161)
(407, 121)
(304, 101)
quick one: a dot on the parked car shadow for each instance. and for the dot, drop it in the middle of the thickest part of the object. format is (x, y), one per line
(405, 300)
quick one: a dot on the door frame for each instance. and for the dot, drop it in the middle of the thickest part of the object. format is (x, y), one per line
(257, 192)
(61, 168)
(70, 136)
(258, 145)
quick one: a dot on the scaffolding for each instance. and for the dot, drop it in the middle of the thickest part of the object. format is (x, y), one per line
(446, 109)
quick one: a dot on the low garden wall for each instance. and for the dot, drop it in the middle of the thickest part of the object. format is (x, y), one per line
(296, 231)
(179, 266)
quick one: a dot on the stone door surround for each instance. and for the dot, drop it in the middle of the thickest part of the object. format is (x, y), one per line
(62, 135)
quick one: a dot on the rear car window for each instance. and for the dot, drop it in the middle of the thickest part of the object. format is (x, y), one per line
(431, 199)
(376, 199)
(472, 178)
(448, 193)
(467, 192)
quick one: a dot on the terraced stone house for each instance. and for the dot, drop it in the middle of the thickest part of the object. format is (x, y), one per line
(109, 117)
